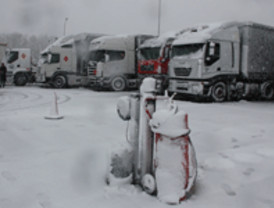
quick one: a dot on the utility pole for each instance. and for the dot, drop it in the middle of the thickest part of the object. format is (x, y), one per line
(66, 19)
(159, 16)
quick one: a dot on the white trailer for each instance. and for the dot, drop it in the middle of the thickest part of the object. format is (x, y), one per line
(225, 61)
(19, 66)
(63, 63)
(114, 62)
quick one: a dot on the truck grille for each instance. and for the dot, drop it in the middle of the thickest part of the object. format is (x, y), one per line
(9, 73)
(91, 71)
(182, 71)
(147, 68)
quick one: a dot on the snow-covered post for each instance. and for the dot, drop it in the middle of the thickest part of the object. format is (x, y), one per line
(161, 156)
(147, 107)
(54, 112)
(175, 161)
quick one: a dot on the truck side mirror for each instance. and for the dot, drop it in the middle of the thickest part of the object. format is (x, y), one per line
(49, 58)
(211, 49)
(107, 58)
(212, 53)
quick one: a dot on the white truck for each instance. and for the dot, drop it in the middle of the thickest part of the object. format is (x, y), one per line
(20, 70)
(64, 63)
(114, 61)
(225, 61)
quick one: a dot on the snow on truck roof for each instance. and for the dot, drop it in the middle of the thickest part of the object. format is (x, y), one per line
(97, 42)
(70, 39)
(202, 32)
(109, 37)
(197, 34)
(158, 41)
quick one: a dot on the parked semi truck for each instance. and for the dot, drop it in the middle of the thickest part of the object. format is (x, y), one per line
(20, 70)
(154, 56)
(226, 61)
(64, 63)
(114, 61)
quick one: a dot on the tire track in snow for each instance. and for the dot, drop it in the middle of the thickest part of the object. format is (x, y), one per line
(14, 100)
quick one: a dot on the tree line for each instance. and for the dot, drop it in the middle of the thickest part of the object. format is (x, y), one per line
(35, 43)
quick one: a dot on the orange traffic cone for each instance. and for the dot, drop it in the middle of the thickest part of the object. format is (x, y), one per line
(54, 113)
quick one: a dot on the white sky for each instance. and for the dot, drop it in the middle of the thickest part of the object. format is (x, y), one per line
(125, 16)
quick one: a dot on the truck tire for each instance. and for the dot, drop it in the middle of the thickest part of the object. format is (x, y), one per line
(267, 90)
(219, 92)
(118, 84)
(20, 79)
(60, 81)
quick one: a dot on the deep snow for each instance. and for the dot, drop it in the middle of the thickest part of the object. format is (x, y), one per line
(62, 163)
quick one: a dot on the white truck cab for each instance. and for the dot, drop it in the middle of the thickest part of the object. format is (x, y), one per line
(113, 61)
(19, 66)
(64, 63)
(224, 61)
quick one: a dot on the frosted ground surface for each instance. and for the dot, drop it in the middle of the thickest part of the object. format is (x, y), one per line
(62, 164)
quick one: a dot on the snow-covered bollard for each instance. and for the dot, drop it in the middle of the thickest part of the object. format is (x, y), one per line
(54, 111)
(160, 156)
(175, 167)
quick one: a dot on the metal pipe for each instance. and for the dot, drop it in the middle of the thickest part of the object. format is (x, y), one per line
(159, 17)
(66, 19)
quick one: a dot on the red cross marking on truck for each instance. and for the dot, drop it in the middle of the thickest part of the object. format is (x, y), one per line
(65, 58)
(23, 56)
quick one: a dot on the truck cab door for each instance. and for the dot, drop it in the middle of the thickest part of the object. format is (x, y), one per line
(53, 64)
(212, 58)
(219, 57)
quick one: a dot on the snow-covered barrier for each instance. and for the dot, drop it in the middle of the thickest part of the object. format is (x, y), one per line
(160, 157)
(175, 163)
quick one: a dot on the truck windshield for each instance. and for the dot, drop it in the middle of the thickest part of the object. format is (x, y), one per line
(43, 59)
(13, 56)
(150, 53)
(186, 50)
(97, 56)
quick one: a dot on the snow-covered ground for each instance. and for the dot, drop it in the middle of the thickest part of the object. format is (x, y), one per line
(62, 163)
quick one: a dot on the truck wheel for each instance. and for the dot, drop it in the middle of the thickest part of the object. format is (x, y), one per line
(267, 90)
(219, 92)
(60, 81)
(20, 79)
(118, 84)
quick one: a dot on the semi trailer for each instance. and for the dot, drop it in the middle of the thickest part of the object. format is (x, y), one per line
(114, 61)
(64, 62)
(224, 61)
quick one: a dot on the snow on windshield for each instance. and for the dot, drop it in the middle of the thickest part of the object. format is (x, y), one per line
(150, 53)
(193, 50)
(97, 55)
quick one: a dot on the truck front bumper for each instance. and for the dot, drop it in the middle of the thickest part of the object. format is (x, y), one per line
(99, 82)
(196, 88)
